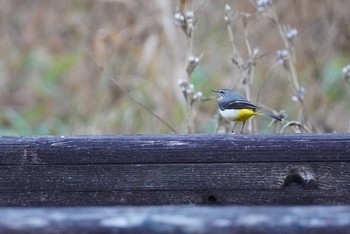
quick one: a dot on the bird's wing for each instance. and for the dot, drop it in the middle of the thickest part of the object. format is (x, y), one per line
(237, 104)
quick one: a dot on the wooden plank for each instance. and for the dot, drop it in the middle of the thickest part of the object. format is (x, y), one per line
(202, 148)
(225, 176)
(174, 169)
(326, 179)
(168, 220)
(178, 197)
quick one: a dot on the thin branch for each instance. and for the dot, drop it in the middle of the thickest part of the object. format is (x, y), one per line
(126, 92)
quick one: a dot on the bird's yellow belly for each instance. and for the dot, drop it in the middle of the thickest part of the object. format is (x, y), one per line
(237, 115)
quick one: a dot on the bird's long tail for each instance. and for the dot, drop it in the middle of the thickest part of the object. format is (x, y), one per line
(270, 115)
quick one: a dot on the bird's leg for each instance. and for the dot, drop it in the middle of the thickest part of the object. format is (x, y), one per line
(228, 126)
(234, 126)
(242, 127)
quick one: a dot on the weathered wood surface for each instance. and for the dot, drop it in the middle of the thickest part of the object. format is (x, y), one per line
(166, 220)
(175, 169)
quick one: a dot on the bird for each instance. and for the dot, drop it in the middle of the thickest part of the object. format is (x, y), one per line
(234, 106)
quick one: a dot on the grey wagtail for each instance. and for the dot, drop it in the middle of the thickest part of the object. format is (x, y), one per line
(235, 107)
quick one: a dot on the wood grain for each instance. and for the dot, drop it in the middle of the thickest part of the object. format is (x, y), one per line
(175, 169)
(145, 149)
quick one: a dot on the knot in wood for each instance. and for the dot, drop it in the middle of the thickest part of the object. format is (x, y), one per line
(300, 177)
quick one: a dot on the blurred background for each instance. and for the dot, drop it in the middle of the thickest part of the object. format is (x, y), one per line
(52, 52)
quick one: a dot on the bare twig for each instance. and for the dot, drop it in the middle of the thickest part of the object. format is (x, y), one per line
(297, 127)
(126, 92)
(186, 20)
(246, 67)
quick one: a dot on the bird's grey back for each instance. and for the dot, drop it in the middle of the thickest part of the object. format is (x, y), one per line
(232, 95)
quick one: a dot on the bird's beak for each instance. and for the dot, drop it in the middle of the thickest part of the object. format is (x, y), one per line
(215, 91)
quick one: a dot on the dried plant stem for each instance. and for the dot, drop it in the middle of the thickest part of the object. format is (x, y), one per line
(264, 81)
(298, 127)
(237, 58)
(291, 64)
(126, 92)
(188, 98)
(291, 60)
(246, 69)
(189, 115)
(251, 69)
(185, 19)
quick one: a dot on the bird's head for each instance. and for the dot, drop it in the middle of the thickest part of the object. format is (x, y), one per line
(222, 92)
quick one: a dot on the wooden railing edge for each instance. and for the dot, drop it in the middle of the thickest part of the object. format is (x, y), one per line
(177, 219)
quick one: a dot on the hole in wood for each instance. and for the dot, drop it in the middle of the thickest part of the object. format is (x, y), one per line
(211, 199)
(300, 177)
(294, 181)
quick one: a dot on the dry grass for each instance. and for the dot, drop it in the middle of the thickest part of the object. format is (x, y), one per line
(50, 84)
